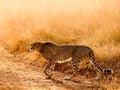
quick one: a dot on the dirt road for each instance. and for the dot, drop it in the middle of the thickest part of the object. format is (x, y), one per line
(16, 75)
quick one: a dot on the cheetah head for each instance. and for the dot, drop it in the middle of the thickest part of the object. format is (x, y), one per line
(36, 46)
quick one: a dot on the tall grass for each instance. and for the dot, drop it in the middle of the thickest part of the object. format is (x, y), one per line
(91, 23)
(95, 23)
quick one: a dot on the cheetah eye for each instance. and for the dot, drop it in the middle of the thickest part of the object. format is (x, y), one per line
(31, 48)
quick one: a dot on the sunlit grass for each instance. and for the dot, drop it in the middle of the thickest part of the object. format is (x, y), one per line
(93, 23)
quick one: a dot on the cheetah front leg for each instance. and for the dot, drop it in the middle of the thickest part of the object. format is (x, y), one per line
(75, 68)
(46, 70)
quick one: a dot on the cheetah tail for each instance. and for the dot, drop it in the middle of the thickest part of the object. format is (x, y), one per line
(100, 69)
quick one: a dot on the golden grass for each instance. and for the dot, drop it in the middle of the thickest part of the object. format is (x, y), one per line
(92, 23)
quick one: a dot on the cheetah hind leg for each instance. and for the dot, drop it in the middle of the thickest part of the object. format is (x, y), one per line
(97, 73)
(75, 72)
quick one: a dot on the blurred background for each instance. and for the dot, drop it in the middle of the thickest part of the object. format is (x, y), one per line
(95, 23)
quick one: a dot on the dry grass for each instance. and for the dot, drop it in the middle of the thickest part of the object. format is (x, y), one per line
(89, 22)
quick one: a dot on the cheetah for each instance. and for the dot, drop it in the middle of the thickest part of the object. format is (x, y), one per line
(74, 54)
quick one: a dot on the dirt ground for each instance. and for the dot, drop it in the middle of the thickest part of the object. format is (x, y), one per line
(15, 74)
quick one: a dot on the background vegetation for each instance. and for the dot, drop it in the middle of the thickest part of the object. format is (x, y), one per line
(95, 23)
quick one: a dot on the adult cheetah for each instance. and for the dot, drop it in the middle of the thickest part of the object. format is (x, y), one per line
(67, 53)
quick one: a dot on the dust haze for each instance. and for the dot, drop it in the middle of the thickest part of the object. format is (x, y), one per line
(95, 23)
